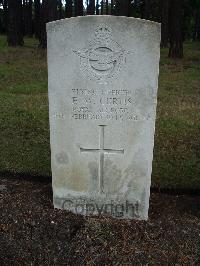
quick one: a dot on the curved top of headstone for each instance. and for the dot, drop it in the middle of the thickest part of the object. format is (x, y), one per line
(54, 24)
(100, 42)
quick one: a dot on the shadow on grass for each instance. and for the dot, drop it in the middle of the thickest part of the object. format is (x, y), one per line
(33, 177)
(37, 178)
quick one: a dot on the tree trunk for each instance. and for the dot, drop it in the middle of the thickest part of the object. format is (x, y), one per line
(102, 7)
(27, 18)
(15, 35)
(78, 7)
(60, 10)
(48, 13)
(112, 7)
(37, 7)
(118, 7)
(30, 28)
(97, 7)
(175, 29)
(5, 15)
(24, 16)
(122, 7)
(164, 23)
(91, 8)
(147, 9)
(196, 33)
(87, 5)
(198, 26)
(68, 9)
(106, 7)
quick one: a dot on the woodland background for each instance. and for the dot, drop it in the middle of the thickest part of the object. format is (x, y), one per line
(180, 19)
(24, 122)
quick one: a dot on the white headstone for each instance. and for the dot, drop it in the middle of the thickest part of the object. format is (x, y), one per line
(103, 79)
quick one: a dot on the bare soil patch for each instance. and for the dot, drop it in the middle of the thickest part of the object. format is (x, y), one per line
(33, 233)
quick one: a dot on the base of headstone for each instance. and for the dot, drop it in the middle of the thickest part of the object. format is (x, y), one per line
(101, 205)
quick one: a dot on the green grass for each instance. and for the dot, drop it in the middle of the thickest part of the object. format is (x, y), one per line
(24, 128)
(24, 124)
(177, 142)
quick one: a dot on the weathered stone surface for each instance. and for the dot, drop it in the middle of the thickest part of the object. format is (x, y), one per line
(103, 74)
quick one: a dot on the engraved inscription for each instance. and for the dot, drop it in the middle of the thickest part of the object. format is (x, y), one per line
(106, 104)
(101, 150)
(103, 57)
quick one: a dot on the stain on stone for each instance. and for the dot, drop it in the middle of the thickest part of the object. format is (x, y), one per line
(93, 166)
(62, 158)
(112, 176)
(134, 174)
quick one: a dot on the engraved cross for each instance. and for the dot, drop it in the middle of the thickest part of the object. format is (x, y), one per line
(101, 150)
